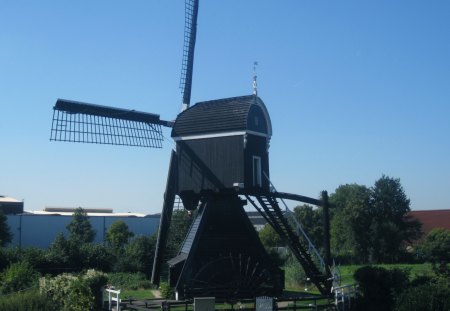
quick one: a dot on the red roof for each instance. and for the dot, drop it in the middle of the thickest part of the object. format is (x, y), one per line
(431, 219)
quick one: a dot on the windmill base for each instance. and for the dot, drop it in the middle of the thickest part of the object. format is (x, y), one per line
(222, 255)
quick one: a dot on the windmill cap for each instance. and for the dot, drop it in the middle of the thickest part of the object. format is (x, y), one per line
(227, 115)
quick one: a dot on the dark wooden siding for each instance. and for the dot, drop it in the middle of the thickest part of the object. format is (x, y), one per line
(210, 163)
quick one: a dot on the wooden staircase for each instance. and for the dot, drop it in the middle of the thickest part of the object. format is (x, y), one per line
(271, 211)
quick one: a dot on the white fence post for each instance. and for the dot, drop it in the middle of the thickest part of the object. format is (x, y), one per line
(111, 298)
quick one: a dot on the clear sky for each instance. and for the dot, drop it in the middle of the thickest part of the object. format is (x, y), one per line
(355, 89)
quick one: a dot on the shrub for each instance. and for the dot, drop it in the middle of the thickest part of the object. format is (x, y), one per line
(295, 275)
(131, 281)
(30, 300)
(18, 276)
(433, 295)
(70, 292)
(379, 286)
(166, 291)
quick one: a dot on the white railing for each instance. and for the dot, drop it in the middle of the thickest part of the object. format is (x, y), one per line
(343, 296)
(113, 295)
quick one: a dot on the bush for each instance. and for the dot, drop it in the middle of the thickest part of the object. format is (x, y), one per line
(433, 295)
(132, 281)
(166, 291)
(378, 287)
(18, 276)
(71, 292)
(30, 300)
(295, 275)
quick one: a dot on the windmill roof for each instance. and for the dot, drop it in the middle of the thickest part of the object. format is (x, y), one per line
(235, 114)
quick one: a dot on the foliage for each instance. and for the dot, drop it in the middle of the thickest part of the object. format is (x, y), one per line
(95, 256)
(63, 254)
(180, 223)
(31, 300)
(350, 220)
(269, 237)
(118, 235)
(5, 232)
(389, 206)
(131, 281)
(294, 273)
(436, 249)
(378, 287)
(80, 228)
(69, 255)
(18, 276)
(311, 220)
(370, 224)
(432, 295)
(75, 292)
(139, 255)
(166, 290)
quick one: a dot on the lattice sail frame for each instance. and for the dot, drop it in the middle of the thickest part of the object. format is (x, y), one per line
(87, 123)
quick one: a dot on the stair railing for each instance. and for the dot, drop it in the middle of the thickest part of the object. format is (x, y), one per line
(298, 228)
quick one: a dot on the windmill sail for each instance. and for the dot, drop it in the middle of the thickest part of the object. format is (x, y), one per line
(87, 123)
(190, 30)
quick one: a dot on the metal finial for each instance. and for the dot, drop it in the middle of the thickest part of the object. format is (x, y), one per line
(255, 84)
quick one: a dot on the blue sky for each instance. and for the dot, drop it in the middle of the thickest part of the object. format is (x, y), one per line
(355, 89)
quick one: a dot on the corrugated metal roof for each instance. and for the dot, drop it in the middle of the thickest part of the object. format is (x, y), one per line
(222, 115)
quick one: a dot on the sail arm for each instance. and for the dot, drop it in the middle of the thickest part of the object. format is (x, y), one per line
(88, 123)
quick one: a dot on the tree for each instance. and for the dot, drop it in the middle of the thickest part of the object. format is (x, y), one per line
(311, 220)
(118, 234)
(180, 223)
(138, 255)
(370, 224)
(5, 233)
(80, 228)
(436, 248)
(390, 228)
(350, 221)
(269, 237)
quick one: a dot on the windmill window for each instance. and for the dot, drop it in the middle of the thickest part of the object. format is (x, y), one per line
(256, 121)
(257, 180)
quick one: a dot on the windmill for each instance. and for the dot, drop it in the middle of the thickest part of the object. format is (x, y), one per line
(220, 165)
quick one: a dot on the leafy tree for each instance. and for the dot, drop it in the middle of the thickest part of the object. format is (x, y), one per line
(61, 254)
(118, 234)
(350, 237)
(5, 233)
(311, 220)
(390, 228)
(269, 237)
(370, 224)
(137, 256)
(95, 256)
(180, 223)
(80, 228)
(436, 248)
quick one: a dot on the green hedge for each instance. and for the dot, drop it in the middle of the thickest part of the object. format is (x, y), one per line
(30, 300)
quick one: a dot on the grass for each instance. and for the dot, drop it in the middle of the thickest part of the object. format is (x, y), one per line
(137, 294)
(348, 271)
(415, 270)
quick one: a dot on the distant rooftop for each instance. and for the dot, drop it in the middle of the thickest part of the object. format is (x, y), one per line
(431, 219)
(4, 198)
